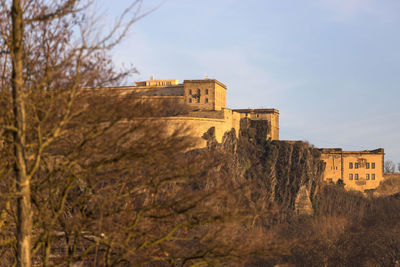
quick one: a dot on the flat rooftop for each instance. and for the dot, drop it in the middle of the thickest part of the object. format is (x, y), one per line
(339, 151)
(257, 110)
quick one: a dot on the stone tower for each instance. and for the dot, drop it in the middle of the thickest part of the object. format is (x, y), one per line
(208, 94)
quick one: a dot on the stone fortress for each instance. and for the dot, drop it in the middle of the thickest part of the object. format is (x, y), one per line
(206, 102)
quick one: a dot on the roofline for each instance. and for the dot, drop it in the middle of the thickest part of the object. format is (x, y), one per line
(340, 150)
(206, 81)
(256, 110)
(137, 87)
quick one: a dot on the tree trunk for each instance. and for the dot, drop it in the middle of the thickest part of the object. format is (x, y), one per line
(24, 214)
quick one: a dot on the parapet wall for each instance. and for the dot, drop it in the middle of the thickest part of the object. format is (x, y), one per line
(224, 121)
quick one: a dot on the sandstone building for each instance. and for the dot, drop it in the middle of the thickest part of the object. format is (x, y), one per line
(359, 170)
(206, 101)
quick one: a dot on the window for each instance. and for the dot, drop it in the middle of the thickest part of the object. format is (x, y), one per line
(206, 100)
(373, 176)
(190, 91)
(350, 165)
(356, 176)
(355, 165)
(373, 165)
(198, 91)
(190, 100)
(367, 165)
(206, 91)
(367, 176)
(350, 176)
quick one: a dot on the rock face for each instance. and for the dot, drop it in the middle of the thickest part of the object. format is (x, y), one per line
(302, 204)
(288, 173)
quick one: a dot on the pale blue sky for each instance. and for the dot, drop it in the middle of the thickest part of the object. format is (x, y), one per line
(331, 67)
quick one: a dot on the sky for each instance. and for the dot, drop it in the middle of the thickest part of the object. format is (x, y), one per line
(331, 67)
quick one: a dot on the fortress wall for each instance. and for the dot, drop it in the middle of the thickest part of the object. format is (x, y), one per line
(217, 114)
(273, 118)
(179, 99)
(270, 115)
(198, 126)
(233, 118)
(144, 91)
(156, 100)
(160, 91)
(275, 126)
(220, 96)
(333, 167)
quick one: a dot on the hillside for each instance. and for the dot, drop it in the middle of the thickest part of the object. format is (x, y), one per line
(346, 227)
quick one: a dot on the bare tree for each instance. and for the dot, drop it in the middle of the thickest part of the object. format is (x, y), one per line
(389, 166)
(93, 177)
(49, 51)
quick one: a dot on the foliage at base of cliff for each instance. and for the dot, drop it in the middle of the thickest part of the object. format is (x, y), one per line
(348, 228)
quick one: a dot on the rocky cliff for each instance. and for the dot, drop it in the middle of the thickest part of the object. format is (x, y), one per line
(288, 173)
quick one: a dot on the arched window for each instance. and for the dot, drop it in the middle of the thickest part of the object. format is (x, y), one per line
(198, 91)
